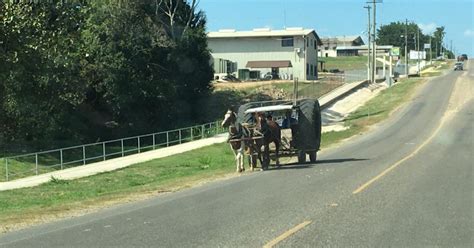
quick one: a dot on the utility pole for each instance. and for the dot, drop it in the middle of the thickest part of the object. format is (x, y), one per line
(452, 49)
(418, 48)
(369, 72)
(431, 52)
(374, 45)
(406, 47)
(374, 33)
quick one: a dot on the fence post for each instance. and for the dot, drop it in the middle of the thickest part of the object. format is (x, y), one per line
(179, 131)
(103, 150)
(138, 144)
(202, 131)
(6, 169)
(84, 155)
(36, 163)
(167, 139)
(121, 144)
(154, 142)
(61, 158)
(192, 136)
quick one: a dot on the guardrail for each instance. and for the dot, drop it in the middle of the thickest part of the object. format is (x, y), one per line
(46, 161)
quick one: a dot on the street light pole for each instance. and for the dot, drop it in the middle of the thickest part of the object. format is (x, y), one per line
(406, 47)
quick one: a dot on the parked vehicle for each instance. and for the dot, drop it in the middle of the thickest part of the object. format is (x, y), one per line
(459, 66)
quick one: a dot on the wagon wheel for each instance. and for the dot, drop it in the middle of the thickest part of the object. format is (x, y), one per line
(312, 156)
(301, 157)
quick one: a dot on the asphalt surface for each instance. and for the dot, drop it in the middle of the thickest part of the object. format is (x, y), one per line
(427, 200)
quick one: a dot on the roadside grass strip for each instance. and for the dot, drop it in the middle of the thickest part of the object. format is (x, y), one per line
(374, 111)
(161, 175)
(346, 63)
(59, 197)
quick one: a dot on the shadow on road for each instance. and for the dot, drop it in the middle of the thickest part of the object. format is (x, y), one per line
(340, 160)
(291, 166)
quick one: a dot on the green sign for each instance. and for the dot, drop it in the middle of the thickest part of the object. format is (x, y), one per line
(395, 51)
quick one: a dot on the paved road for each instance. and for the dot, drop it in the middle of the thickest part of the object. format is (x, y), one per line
(425, 200)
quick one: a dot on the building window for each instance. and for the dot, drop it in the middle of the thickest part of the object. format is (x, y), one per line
(315, 44)
(287, 42)
(312, 71)
(326, 48)
(307, 69)
(315, 70)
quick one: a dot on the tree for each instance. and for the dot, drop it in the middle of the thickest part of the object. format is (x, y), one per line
(39, 69)
(94, 70)
(438, 37)
(394, 34)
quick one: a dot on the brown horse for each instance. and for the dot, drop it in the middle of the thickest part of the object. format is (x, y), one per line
(271, 134)
(241, 141)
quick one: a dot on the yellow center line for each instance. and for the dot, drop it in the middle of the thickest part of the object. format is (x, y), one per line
(286, 234)
(383, 173)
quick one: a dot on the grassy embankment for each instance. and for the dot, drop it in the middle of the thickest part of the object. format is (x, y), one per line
(167, 174)
(346, 63)
(59, 198)
(223, 97)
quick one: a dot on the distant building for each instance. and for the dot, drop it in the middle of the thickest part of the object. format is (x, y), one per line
(330, 46)
(284, 54)
(362, 50)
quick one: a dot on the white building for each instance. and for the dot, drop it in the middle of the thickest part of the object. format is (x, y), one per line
(382, 50)
(285, 54)
(330, 46)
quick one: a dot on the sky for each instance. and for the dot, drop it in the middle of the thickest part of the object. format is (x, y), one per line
(345, 17)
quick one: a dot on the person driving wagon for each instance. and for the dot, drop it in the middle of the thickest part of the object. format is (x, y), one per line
(288, 121)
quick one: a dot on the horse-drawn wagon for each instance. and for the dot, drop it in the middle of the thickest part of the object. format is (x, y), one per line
(293, 127)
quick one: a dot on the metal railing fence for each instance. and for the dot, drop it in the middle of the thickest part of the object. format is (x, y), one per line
(46, 161)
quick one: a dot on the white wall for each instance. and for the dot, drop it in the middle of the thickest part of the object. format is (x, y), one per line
(329, 52)
(242, 50)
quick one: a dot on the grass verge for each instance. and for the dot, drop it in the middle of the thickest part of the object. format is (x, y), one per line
(374, 111)
(346, 63)
(60, 198)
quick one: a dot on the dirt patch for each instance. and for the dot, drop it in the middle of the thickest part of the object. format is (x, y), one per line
(462, 93)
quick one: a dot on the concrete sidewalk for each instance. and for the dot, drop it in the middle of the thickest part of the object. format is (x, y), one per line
(110, 165)
(338, 93)
(118, 163)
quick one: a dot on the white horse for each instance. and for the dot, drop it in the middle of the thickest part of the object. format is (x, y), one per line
(239, 140)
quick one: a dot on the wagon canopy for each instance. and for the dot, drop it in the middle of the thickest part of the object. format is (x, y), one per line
(269, 108)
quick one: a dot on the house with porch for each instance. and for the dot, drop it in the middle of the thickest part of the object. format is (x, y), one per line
(278, 54)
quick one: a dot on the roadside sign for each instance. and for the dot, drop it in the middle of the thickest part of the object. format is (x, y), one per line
(417, 55)
(395, 51)
(427, 45)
